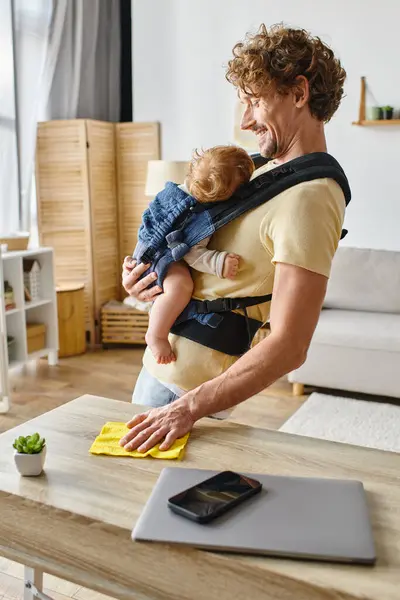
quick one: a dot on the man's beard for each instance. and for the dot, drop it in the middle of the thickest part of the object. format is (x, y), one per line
(269, 150)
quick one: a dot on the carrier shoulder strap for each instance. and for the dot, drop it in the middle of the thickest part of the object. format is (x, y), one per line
(317, 165)
(235, 332)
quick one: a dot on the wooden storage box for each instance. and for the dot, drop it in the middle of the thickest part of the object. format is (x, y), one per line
(36, 337)
(16, 242)
(122, 324)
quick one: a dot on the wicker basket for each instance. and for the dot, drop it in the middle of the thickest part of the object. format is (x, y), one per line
(122, 324)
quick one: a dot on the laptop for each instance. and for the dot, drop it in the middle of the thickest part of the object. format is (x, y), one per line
(293, 517)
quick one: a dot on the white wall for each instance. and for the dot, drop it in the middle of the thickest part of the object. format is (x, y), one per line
(181, 46)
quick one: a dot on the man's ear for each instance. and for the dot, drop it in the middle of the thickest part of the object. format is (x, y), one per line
(301, 91)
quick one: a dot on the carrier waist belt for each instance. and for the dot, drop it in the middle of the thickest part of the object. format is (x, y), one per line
(232, 336)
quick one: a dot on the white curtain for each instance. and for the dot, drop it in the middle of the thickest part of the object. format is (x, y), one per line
(68, 65)
(9, 188)
(87, 71)
(32, 41)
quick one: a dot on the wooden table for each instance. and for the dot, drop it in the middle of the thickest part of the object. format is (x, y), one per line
(75, 520)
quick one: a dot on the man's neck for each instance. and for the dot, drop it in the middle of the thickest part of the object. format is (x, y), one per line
(307, 140)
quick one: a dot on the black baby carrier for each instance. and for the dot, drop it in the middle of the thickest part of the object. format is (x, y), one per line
(185, 222)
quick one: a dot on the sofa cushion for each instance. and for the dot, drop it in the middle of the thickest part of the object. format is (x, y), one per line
(366, 280)
(354, 329)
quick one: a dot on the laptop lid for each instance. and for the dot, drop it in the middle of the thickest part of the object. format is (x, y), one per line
(297, 517)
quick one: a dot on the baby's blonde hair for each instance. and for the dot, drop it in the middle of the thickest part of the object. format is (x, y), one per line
(216, 174)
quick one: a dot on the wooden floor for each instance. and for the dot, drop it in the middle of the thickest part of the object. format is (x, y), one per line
(112, 373)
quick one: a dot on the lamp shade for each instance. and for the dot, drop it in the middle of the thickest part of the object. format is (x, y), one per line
(161, 171)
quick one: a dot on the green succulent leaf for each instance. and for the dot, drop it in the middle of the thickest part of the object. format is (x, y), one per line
(31, 444)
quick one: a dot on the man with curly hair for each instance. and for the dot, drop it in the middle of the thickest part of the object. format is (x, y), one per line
(290, 84)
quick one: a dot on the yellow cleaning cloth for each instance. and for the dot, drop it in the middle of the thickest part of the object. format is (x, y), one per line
(108, 443)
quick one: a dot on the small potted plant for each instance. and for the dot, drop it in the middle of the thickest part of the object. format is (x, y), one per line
(387, 112)
(374, 113)
(30, 454)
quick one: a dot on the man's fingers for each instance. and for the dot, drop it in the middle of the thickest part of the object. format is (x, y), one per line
(144, 424)
(134, 431)
(153, 439)
(170, 438)
(128, 279)
(140, 288)
(140, 269)
(145, 282)
(148, 295)
(129, 263)
(131, 272)
(137, 419)
(134, 284)
(141, 438)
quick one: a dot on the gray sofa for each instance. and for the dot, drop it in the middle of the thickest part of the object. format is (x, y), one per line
(356, 346)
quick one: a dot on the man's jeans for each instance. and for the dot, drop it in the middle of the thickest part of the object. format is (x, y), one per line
(151, 392)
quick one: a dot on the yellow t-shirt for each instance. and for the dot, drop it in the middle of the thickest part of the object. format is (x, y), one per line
(301, 226)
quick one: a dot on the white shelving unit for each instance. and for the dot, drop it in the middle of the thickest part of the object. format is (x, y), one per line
(13, 322)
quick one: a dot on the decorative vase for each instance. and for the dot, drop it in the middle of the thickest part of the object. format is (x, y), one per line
(30, 465)
(374, 113)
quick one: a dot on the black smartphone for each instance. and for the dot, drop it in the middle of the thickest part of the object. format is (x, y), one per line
(214, 496)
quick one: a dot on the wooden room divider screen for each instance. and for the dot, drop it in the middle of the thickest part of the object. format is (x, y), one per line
(90, 179)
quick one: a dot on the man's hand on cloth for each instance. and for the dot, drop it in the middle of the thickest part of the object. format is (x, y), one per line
(165, 424)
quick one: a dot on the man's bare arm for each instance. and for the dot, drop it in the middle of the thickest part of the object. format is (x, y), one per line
(297, 300)
(298, 296)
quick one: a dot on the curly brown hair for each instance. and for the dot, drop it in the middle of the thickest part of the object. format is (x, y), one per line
(215, 174)
(278, 56)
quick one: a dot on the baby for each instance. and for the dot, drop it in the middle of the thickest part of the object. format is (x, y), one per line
(213, 176)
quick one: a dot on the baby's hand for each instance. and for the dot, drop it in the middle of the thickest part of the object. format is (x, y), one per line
(231, 266)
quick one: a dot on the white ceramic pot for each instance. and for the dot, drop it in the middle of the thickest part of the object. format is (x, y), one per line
(30, 465)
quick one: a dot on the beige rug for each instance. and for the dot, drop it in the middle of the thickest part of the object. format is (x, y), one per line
(359, 422)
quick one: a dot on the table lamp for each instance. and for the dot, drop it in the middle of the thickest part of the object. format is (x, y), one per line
(161, 171)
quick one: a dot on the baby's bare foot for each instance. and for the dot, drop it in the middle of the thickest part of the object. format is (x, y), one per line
(231, 266)
(161, 349)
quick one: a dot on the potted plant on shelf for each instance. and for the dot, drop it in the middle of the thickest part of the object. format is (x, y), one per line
(387, 112)
(30, 454)
(374, 113)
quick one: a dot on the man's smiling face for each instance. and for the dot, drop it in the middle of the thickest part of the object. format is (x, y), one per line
(272, 117)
